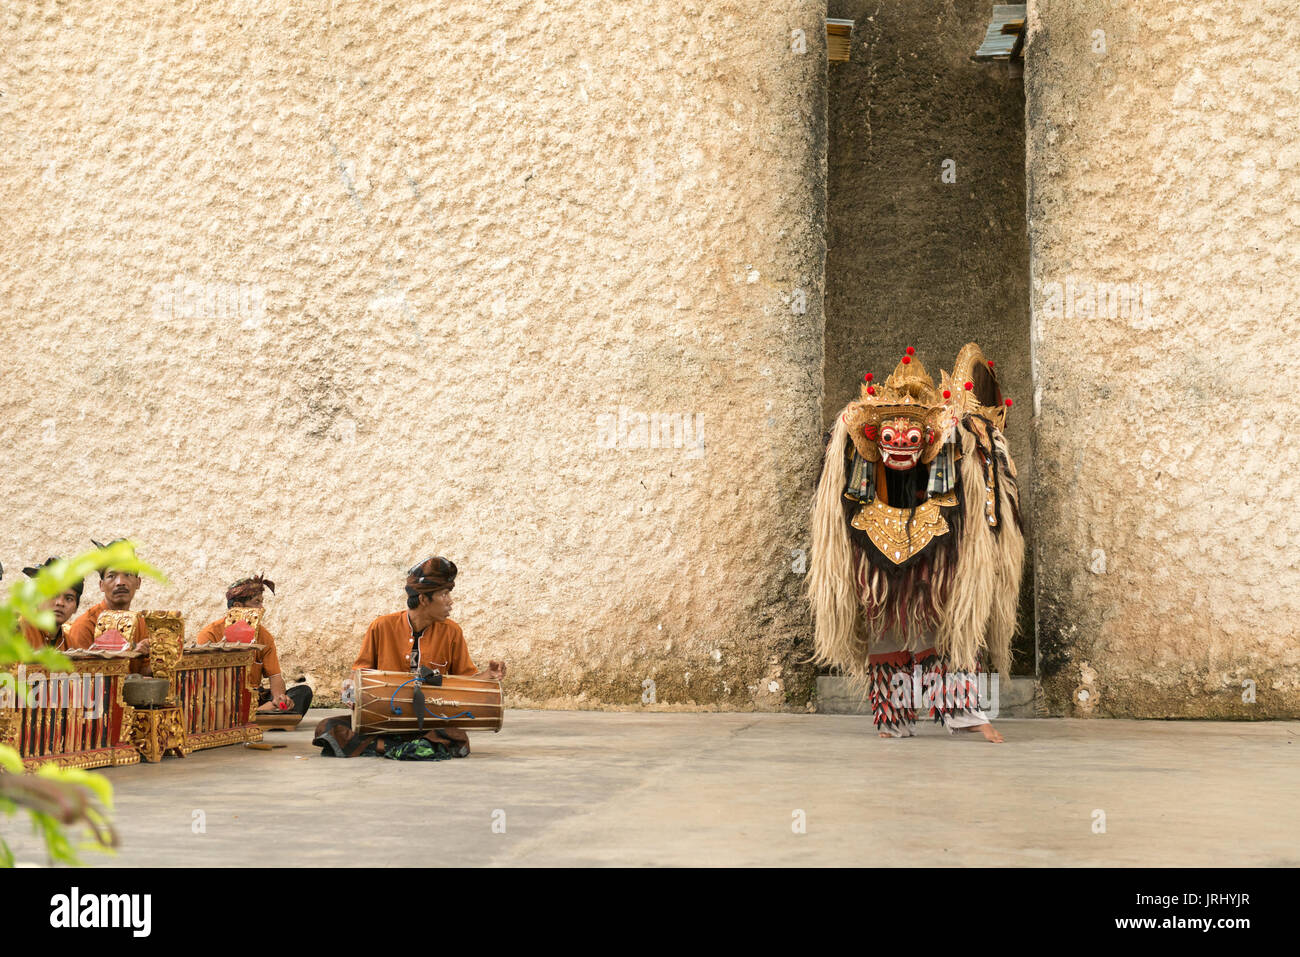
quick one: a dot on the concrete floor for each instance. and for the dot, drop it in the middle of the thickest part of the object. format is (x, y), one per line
(594, 788)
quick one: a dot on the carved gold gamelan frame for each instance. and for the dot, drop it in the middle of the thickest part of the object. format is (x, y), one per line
(133, 733)
(253, 616)
(172, 660)
(119, 749)
(123, 621)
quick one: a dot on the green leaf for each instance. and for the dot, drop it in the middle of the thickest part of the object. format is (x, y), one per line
(74, 795)
(10, 760)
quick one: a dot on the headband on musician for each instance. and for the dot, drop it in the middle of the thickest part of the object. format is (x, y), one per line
(431, 575)
(31, 571)
(105, 571)
(250, 587)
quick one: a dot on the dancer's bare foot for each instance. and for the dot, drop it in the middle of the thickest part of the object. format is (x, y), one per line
(989, 732)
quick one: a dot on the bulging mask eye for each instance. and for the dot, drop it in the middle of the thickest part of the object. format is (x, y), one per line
(887, 435)
(914, 437)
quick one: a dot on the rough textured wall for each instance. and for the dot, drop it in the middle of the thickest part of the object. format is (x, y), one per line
(319, 289)
(1164, 212)
(912, 259)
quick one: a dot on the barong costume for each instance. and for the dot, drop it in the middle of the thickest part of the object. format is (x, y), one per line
(918, 548)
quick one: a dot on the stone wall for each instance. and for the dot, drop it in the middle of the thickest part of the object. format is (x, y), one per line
(1164, 224)
(320, 290)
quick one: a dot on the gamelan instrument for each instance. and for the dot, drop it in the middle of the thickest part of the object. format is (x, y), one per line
(395, 701)
(97, 714)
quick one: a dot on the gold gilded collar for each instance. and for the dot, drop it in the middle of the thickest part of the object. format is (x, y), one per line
(889, 530)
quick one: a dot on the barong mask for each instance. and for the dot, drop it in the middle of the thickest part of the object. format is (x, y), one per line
(901, 441)
(902, 422)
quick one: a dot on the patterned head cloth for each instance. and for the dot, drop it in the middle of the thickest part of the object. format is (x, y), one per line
(250, 587)
(103, 545)
(431, 575)
(31, 570)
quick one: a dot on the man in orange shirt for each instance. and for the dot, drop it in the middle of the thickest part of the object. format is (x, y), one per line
(119, 590)
(390, 642)
(64, 605)
(247, 593)
(421, 637)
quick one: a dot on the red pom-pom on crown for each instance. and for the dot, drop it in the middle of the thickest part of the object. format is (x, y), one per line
(911, 351)
(969, 386)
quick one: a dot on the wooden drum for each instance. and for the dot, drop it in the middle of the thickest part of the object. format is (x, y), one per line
(385, 703)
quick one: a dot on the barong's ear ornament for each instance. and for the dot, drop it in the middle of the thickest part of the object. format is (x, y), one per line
(978, 392)
(916, 521)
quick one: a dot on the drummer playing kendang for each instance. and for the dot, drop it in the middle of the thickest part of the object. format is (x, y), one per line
(390, 642)
(423, 636)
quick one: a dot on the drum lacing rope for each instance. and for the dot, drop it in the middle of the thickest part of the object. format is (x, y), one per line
(423, 710)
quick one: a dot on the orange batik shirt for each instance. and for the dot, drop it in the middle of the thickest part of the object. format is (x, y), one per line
(82, 634)
(388, 645)
(39, 639)
(268, 662)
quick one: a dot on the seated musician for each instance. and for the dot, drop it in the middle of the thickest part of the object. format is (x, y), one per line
(247, 593)
(390, 642)
(421, 637)
(119, 590)
(64, 605)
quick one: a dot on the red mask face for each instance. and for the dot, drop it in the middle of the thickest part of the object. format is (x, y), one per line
(901, 443)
